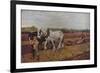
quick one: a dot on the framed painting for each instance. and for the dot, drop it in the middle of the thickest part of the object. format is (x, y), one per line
(52, 36)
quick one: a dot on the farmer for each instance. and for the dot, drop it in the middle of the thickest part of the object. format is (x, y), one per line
(34, 43)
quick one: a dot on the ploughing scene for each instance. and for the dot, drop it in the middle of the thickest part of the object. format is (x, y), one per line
(54, 36)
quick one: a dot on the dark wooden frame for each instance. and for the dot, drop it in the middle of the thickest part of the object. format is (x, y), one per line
(13, 35)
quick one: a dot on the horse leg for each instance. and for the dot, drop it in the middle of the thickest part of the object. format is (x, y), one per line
(54, 48)
(45, 45)
(60, 43)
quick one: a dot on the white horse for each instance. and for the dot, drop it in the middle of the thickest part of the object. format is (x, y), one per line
(47, 35)
(55, 37)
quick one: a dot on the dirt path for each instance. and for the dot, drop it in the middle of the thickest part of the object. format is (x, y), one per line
(82, 56)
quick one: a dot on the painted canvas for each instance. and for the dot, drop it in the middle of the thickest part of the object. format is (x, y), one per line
(54, 36)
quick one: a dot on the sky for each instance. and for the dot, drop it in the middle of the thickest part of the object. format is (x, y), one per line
(55, 19)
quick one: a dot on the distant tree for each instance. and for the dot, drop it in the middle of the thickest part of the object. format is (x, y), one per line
(33, 28)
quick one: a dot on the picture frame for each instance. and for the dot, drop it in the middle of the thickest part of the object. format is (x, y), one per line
(21, 11)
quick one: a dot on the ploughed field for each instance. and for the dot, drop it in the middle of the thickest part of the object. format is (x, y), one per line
(75, 48)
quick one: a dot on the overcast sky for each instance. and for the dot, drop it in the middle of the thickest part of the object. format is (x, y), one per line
(53, 19)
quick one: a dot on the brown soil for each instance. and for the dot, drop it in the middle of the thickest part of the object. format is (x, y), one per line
(71, 50)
